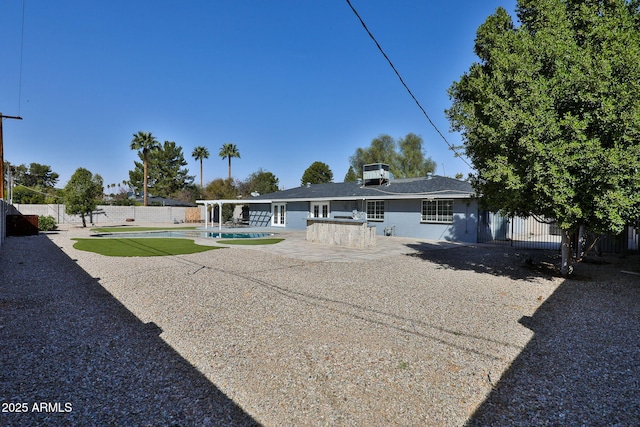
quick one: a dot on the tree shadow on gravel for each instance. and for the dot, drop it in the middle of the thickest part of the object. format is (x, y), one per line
(492, 259)
(582, 366)
(74, 355)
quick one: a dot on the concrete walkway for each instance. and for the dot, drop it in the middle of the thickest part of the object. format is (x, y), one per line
(296, 246)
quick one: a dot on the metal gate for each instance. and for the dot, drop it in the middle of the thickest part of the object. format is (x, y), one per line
(525, 233)
(534, 233)
(609, 243)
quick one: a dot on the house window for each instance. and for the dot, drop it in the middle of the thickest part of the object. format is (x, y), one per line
(437, 211)
(320, 210)
(375, 210)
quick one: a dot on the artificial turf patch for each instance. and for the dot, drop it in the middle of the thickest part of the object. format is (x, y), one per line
(250, 241)
(143, 247)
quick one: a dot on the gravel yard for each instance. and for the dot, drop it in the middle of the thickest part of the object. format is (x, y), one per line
(246, 336)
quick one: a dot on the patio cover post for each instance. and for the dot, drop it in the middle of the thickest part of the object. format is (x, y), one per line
(219, 215)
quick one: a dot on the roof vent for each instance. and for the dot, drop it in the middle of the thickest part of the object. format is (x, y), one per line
(308, 184)
(429, 175)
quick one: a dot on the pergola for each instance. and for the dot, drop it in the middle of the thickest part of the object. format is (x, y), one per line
(219, 203)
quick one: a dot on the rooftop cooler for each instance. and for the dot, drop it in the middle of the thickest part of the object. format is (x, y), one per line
(376, 174)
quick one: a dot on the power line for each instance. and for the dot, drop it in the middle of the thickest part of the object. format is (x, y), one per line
(38, 192)
(404, 84)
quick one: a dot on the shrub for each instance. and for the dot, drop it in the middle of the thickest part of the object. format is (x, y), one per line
(47, 223)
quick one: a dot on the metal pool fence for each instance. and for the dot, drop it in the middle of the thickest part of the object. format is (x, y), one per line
(543, 233)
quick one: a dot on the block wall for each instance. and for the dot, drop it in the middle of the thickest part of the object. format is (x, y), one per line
(115, 214)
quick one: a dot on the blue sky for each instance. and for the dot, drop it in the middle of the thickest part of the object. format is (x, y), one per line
(290, 82)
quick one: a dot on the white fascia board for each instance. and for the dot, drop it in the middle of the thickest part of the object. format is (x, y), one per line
(376, 197)
(435, 195)
(232, 201)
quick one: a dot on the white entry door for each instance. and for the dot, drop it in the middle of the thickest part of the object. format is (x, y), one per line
(279, 211)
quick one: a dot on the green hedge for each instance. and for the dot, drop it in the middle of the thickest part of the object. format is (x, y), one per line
(47, 223)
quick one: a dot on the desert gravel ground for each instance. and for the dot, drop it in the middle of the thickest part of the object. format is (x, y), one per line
(424, 336)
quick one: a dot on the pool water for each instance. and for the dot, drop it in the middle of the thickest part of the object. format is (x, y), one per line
(188, 234)
(209, 234)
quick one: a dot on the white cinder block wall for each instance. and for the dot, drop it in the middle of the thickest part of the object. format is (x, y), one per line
(111, 214)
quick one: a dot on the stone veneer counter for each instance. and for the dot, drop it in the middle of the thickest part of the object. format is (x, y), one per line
(343, 232)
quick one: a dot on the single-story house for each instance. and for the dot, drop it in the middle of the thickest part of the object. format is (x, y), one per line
(431, 207)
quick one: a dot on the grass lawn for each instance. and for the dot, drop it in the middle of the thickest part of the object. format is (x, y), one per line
(135, 229)
(250, 241)
(140, 247)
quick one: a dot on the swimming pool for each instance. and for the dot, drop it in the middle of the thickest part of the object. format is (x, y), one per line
(182, 233)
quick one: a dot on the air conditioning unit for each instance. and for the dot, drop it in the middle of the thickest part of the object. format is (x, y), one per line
(376, 173)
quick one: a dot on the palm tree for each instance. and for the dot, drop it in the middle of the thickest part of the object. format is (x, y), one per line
(145, 142)
(200, 153)
(229, 151)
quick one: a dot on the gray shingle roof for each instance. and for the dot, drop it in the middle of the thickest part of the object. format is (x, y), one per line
(435, 186)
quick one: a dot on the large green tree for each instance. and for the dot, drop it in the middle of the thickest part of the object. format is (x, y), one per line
(381, 150)
(82, 193)
(145, 143)
(166, 173)
(550, 115)
(228, 151)
(29, 195)
(317, 173)
(411, 159)
(351, 175)
(261, 181)
(33, 184)
(222, 189)
(200, 153)
(35, 175)
(407, 162)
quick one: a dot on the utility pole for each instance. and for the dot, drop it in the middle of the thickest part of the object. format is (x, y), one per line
(2, 153)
